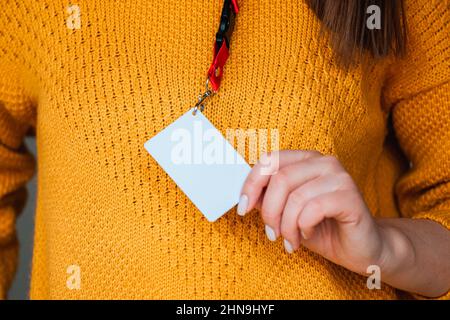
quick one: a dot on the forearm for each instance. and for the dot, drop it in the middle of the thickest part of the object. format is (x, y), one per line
(415, 256)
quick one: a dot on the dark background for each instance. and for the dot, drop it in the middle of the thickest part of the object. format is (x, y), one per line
(25, 228)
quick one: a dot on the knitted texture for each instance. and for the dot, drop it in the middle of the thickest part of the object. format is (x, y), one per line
(96, 93)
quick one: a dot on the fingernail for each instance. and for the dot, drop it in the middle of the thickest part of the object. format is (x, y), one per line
(303, 235)
(270, 233)
(242, 206)
(288, 246)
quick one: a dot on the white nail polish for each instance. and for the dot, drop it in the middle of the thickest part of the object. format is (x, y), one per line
(288, 246)
(270, 233)
(242, 206)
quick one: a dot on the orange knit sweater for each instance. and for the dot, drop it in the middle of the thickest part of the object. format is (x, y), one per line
(95, 88)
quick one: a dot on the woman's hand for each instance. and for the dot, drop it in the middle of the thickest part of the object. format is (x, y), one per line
(309, 199)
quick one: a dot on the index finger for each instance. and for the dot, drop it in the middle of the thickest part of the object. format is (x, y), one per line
(259, 176)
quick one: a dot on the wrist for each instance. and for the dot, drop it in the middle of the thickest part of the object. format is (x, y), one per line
(397, 254)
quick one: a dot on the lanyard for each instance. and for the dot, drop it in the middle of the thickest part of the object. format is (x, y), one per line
(221, 52)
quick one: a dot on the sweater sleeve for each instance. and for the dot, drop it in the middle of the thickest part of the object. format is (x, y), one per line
(419, 94)
(16, 164)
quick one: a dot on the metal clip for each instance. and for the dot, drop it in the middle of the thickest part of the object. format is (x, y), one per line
(200, 105)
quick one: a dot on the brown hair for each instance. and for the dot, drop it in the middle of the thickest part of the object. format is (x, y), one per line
(350, 37)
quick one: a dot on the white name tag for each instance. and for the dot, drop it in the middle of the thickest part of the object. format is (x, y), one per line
(201, 162)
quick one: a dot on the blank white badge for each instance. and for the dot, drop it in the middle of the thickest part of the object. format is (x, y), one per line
(201, 162)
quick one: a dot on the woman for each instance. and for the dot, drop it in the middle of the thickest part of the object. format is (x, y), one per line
(97, 79)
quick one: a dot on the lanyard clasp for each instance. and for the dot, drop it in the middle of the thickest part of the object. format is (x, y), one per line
(226, 25)
(200, 105)
(222, 43)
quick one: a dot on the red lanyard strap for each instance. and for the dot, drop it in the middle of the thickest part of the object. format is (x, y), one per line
(221, 53)
(222, 44)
